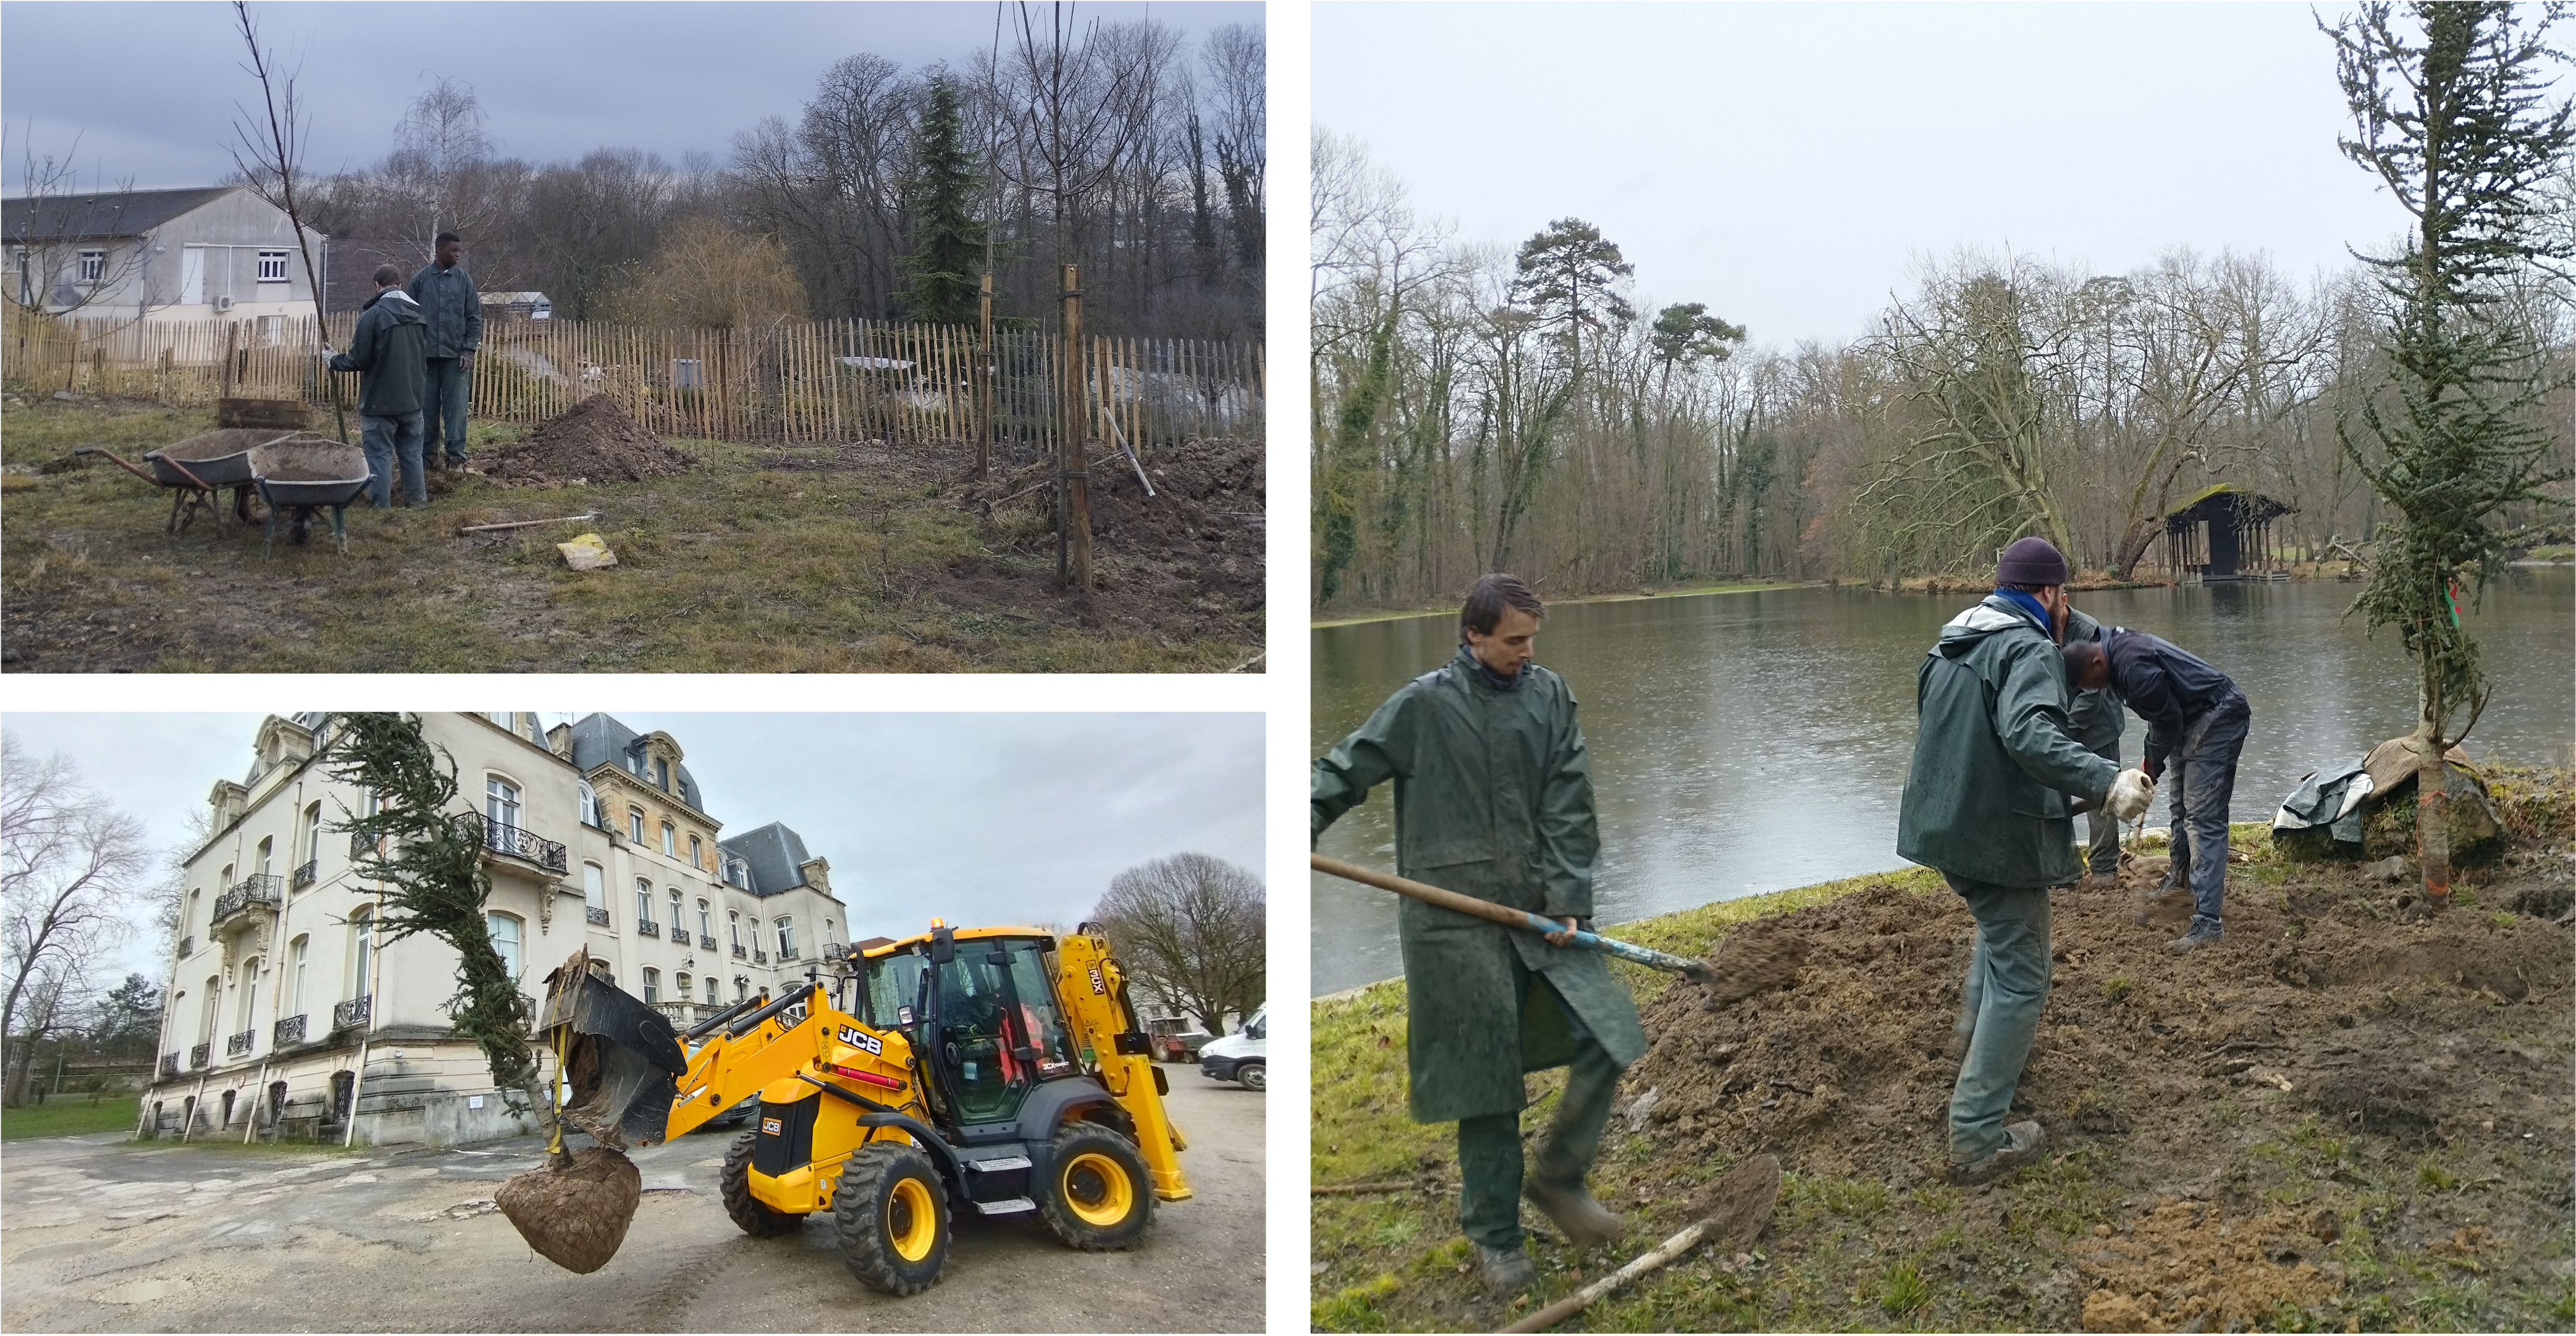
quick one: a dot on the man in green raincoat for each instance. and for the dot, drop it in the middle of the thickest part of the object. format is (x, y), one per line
(1493, 798)
(1986, 804)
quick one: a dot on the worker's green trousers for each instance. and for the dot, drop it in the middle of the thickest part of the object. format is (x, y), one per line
(1489, 1147)
(2007, 984)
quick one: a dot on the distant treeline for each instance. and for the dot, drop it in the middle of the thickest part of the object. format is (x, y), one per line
(1477, 408)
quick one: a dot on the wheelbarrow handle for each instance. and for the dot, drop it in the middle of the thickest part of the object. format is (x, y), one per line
(120, 462)
(1513, 918)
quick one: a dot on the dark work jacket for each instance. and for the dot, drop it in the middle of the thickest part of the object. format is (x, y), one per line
(1493, 798)
(452, 307)
(385, 352)
(1985, 799)
(2169, 686)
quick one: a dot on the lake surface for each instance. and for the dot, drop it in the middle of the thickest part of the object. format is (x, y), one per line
(1748, 742)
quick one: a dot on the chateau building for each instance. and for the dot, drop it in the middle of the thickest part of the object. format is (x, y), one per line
(290, 1014)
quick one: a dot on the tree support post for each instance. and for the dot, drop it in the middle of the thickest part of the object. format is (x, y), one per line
(1073, 450)
(982, 383)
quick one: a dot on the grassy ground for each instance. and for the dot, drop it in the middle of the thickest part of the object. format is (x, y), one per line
(1867, 1253)
(70, 1116)
(1678, 591)
(765, 558)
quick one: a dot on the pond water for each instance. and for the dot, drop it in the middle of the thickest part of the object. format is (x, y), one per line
(1748, 742)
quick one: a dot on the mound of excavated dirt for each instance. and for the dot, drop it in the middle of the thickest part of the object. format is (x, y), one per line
(593, 441)
(2451, 1030)
(1186, 561)
(575, 1213)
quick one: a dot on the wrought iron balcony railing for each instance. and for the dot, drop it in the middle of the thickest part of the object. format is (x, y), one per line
(169, 1065)
(187, 946)
(240, 1043)
(595, 914)
(513, 842)
(260, 890)
(739, 953)
(305, 874)
(760, 957)
(786, 953)
(706, 941)
(288, 1031)
(648, 928)
(353, 1012)
(202, 1054)
(679, 934)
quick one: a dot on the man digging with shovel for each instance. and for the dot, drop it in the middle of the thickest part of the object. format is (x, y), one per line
(1985, 803)
(1493, 799)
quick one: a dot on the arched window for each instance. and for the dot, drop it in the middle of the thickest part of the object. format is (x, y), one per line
(214, 1001)
(683, 982)
(267, 854)
(643, 905)
(733, 929)
(589, 805)
(635, 824)
(706, 922)
(678, 924)
(313, 833)
(594, 887)
(652, 986)
(670, 844)
(296, 953)
(363, 939)
(662, 774)
(786, 936)
(505, 940)
(697, 855)
(248, 985)
(501, 802)
(741, 988)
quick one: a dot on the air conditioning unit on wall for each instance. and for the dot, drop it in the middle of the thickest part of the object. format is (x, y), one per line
(224, 303)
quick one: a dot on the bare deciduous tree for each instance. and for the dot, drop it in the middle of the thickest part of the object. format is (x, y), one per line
(67, 860)
(1189, 928)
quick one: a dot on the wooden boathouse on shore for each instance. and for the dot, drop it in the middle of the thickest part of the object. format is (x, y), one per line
(2223, 535)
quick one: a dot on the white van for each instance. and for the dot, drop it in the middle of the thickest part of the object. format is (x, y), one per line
(1240, 1056)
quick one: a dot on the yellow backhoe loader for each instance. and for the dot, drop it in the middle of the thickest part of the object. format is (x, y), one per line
(985, 1071)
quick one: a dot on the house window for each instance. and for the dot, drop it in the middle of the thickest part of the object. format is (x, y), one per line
(214, 998)
(643, 905)
(683, 981)
(594, 887)
(662, 774)
(505, 940)
(501, 802)
(786, 936)
(296, 952)
(501, 717)
(670, 841)
(676, 920)
(635, 824)
(272, 269)
(733, 928)
(361, 933)
(741, 988)
(249, 991)
(589, 805)
(93, 266)
(313, 833)
(267, 854)
(706, 921)
(697, 856)
(652, 986)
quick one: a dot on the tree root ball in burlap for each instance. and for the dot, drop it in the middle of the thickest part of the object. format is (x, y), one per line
(575, 1212)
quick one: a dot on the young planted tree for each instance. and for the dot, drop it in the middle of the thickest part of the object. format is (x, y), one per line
(270, 158)
(2450, 112)
(940, 272)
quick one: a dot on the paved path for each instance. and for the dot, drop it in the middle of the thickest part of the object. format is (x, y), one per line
(101, 1234)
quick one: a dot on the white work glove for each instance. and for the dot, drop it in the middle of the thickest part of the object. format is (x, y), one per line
(2130, 795)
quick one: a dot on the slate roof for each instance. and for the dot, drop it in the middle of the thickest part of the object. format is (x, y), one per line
(598, 739)
(774, 853)
(119, 213)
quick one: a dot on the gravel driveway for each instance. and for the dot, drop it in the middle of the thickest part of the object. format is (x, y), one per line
(101, 1234)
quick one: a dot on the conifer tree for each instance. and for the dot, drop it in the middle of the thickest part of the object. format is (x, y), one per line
(940, 273)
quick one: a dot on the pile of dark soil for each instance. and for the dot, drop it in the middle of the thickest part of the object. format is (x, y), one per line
(575, 1211)
(593, 441)
(1186, 561)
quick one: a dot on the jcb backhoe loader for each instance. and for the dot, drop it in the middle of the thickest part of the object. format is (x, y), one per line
(983, 1070)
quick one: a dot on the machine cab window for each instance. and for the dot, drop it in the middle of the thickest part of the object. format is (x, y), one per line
(986, 1018)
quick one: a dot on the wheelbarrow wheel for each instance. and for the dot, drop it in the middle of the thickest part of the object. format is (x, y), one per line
(300, 529)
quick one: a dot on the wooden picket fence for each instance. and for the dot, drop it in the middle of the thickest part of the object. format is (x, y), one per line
(833, 380)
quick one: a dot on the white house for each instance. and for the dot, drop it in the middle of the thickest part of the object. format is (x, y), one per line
(201, 253)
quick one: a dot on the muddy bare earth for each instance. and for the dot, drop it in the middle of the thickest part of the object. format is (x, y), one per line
(592, 441)
(1186, 561)
(2334, 1022)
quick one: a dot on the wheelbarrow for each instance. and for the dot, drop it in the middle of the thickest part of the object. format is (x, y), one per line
(197, 469)
(297, 478)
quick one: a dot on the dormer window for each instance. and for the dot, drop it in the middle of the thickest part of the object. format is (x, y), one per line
(662, 774)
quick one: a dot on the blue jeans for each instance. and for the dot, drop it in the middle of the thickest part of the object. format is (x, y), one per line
(1489, 1147)
(445, 389)
(1999, 1010)
(2201, 775)
(386, 441)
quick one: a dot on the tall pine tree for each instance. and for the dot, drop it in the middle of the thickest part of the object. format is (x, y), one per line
(940, 273)
(2451, 112)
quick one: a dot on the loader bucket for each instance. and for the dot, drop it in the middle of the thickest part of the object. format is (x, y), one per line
(621, 1057)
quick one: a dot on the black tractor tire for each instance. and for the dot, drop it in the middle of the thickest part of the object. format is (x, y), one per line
(1096, 1195)
(892, 1214)
(755, 1216)
(1253, 1076)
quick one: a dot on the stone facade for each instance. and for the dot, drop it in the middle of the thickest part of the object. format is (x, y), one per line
(287, 1013)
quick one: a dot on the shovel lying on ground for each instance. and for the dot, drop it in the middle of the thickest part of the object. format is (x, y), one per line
(1739, 1208)
(1697, 971)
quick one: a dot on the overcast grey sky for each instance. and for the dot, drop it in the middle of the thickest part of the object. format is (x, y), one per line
(1786, 163)
(976, 818)
(150, 88)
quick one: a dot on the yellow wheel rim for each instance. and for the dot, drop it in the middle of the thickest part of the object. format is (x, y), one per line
(1098, 1189)
(911, 1221)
